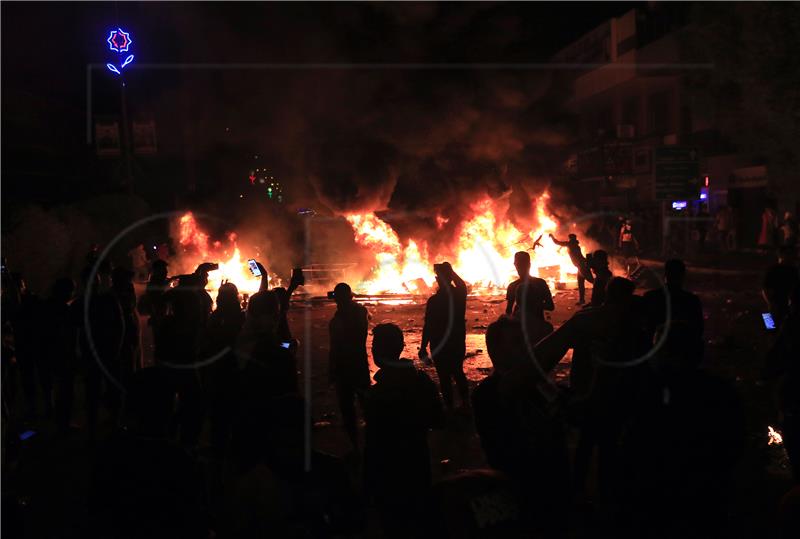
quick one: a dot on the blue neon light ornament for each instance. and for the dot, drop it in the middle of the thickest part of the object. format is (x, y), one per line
(119, 41)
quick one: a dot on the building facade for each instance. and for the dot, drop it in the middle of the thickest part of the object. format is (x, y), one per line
(629, 93)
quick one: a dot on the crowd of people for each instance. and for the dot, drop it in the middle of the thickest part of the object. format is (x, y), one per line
(213, 440)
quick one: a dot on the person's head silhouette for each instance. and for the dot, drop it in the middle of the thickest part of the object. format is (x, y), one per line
(675, 273)
(619, 291)
(342, 294)
(228, 297)
(522, 261)
(159, 271)
(600, 259)
(443, 274)
(387, 344)
(503, 338)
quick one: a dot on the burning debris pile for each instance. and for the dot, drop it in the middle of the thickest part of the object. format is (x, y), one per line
(483, 253)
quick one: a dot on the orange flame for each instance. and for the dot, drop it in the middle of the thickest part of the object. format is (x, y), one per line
(483, 254)
(195, 248)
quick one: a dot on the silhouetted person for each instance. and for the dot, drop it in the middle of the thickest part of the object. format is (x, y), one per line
(400, 409)
(100, 344)
(603, 339)
(445, 330)
(348, 365)
(59, 339)
(683, 344)
(179, 333)
(628, 245)
(536, 289)
(602, 275)
(227, 320)
(578, 260)
(777, 286)
(224, 326)
(142, 484)
(201, 274)
(673, 486)
(518, 420)
(28, 344)
(265, 372)
(152, 303)
(179, 340)
(123, 290)
(769, 228)
(260, 349)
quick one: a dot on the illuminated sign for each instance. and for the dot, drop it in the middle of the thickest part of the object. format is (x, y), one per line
(679, 205)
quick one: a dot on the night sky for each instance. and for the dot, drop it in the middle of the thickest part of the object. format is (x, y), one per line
(346, 136)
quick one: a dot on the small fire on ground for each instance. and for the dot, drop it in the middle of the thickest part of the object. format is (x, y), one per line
(775, 437)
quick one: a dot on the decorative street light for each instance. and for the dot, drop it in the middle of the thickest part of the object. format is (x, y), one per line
(120, 41)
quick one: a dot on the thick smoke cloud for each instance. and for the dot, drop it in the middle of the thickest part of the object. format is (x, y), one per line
(425, 141)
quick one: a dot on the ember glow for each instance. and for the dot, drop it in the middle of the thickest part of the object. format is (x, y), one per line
(483, 254)
(196, 247)
(775, 437)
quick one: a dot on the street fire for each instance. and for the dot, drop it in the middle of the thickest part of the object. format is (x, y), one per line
(483, 254)
(195, 247)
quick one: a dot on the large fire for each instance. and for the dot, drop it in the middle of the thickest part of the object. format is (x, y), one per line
(195, 247)
(483, 254)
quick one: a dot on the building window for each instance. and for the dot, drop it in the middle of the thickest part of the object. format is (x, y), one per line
(630, 112)
(605, 121)
(660, 112)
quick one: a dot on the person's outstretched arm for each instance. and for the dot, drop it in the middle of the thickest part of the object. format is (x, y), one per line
(459, 283)
(550, 350)
(264, 286)
(559, 242)
(293, 284)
